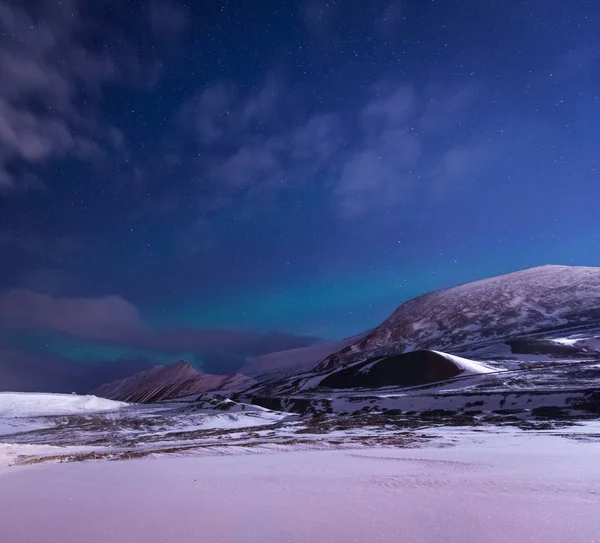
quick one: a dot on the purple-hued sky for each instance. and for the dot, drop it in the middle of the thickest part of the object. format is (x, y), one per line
(211, 181)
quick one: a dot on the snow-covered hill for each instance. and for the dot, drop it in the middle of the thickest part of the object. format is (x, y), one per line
(408, 369)
(28, 404)
(516, 304)
(170, 382)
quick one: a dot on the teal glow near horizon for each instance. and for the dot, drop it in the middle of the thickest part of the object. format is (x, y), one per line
(81, 351)
(343, 306)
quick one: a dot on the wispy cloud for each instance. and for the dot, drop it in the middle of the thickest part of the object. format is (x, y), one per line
(376, 157)
(107, 318)
(43, 67)
(52, 82)
(402, 132)
(249, 144)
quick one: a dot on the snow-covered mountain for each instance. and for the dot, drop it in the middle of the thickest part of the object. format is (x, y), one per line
(285, 363)
(170, 382)
(517, 304)
(523, 311)
(522, 314)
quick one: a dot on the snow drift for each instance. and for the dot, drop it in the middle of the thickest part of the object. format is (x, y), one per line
(26, 404)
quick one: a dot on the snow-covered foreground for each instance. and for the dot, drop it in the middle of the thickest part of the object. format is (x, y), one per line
(24, 404)
(498, 486)
(25, 412)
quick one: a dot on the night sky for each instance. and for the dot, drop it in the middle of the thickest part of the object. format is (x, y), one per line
(215, 180)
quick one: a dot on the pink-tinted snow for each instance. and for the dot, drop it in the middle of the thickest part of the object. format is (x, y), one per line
(501, 488)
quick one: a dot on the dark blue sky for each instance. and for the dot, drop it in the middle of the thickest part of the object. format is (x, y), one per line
(300, 167)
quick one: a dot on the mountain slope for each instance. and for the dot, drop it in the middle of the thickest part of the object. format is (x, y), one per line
(518, 303)
(284, 363)
(408, 369)
(170, 382)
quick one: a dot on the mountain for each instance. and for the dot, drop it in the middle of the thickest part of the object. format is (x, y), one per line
(491, 322)
(504, 321)
(285, 363)
(516, 304)
(168, 383)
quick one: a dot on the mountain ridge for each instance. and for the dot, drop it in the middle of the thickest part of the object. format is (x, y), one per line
(519, 302)
(168, 383)
(484, 312)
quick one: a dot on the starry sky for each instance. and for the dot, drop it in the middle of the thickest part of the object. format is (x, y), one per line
(212, 181)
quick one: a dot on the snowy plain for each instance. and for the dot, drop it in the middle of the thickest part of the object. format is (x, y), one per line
(506, 485)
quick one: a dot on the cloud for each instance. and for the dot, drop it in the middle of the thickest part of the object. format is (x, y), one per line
(403, 151)
(43, 66)
(220, 113)
(317, 139)
(250, 164)
(377, 177)
(112, 321)
(389, 107)
(248, 144)
(374, 158)
(107, 318)
(260, 106)
(207, 114)
(444, 104)
(377, 173)
(53, 80)
(24, 371)
(260, 173)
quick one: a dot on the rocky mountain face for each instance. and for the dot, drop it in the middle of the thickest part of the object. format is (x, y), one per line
(403, 370)
(522, 303)
(169, 383)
